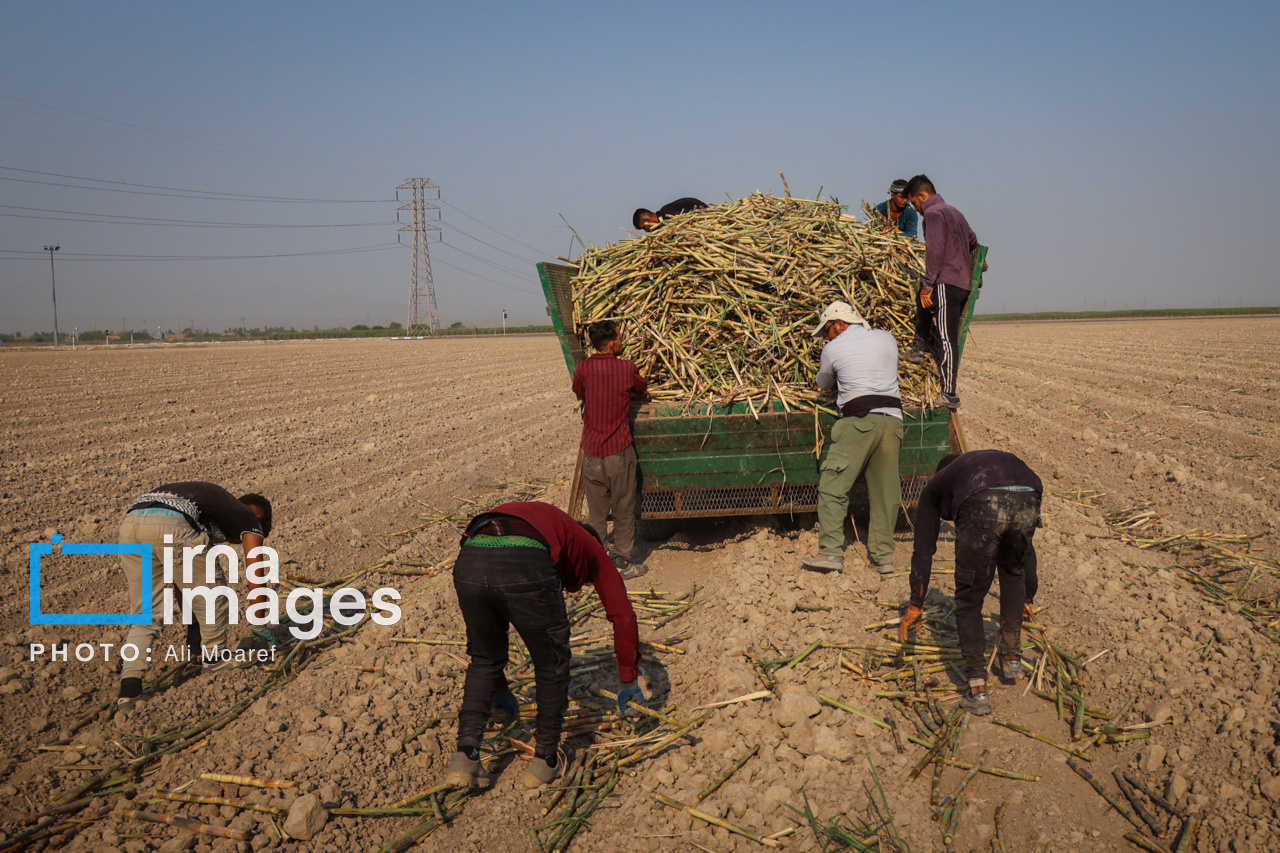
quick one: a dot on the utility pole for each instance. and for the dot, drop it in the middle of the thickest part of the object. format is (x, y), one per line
(423, 319)
(504, 322)
(53, 281)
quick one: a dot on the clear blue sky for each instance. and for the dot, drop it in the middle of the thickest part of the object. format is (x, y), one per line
(1117, 152)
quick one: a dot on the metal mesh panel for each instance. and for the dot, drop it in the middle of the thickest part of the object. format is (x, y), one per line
(560, 282)
(756, 500)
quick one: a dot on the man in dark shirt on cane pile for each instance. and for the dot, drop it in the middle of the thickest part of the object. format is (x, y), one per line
(605, 383)
(514, 563)
(187, 515)
(646, 220)
(949, 244)
(994, 500)
(899, 213)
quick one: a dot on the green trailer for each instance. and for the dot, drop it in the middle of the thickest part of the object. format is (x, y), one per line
(711, 460)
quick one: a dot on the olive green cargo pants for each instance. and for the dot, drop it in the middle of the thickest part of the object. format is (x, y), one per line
(867, 444)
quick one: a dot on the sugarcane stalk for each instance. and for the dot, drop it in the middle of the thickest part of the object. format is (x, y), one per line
(568, 780)
(929, 756)
(420, 796)
(249, 781)
(403, 842)
(990, 771)
(953, 823)
(959, 790)
(997, 839)
(562, 843)
(1124, 811)
(1053, 743)
(1187, 838)
(183, 822)
(219, 801)
(715, 821)
(897, 738)
(1132, 796)
(724, 777)
(1146, 843)
(1154, 797)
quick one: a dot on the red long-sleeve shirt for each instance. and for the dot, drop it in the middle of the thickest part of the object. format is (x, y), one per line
(579, 559)
(604, 383)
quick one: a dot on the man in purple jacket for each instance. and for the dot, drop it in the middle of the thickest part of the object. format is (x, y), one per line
(949, 244)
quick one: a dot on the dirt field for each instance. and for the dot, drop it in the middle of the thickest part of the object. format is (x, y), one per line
(355, 442)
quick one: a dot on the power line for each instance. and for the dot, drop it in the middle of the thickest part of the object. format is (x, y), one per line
(93, 256)
(490, 227)
(490, 245)
(486, 278)
(125, 219)
(517, 273)
(214, 195)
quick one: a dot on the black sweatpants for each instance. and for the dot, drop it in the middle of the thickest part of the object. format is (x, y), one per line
(944, 320)
(498, 587)
(994, 529)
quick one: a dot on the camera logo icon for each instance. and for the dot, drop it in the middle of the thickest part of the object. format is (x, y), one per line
(39, 549)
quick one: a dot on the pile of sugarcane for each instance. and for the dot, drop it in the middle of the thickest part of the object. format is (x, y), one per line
(717, 305)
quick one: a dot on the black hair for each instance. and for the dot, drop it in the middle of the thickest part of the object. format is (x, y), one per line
(635, 217)
(601, 333)
(253, 499)
(945, 461)
(593, 532)
(918, 183)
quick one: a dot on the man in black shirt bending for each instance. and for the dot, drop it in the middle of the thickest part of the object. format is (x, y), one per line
(178, 516)
(646, 219)
(994, 500)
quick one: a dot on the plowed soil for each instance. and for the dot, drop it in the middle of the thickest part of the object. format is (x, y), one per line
(371, 450)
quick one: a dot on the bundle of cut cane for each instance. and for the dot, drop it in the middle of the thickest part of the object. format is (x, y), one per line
(717, 305)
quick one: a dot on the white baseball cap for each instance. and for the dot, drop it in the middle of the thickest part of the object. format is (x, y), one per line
(839, 311)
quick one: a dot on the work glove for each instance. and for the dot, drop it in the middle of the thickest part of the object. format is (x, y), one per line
(630, 692)
(912, 616)
(1028, 612)
(926, 297)
(505, 700)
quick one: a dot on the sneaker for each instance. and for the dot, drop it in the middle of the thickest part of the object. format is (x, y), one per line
(466, 772)
(917, 356)
(883, 568)
(976, 703)
(631, 571)
(539, 773)
(1011, 669)
(824, 562)
(949, 401)
(209, 667)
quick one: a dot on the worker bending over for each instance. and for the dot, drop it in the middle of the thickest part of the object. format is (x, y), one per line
(514, 564)
(646, 220)
(994, 500)
(862, 364)
(604, 383)
(183, 515)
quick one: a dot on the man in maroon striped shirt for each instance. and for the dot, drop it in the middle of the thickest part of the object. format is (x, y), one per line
(604, 383)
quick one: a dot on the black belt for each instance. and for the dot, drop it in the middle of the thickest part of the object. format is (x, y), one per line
(860, 407)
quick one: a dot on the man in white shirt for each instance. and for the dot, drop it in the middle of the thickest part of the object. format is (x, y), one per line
(861, 363)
